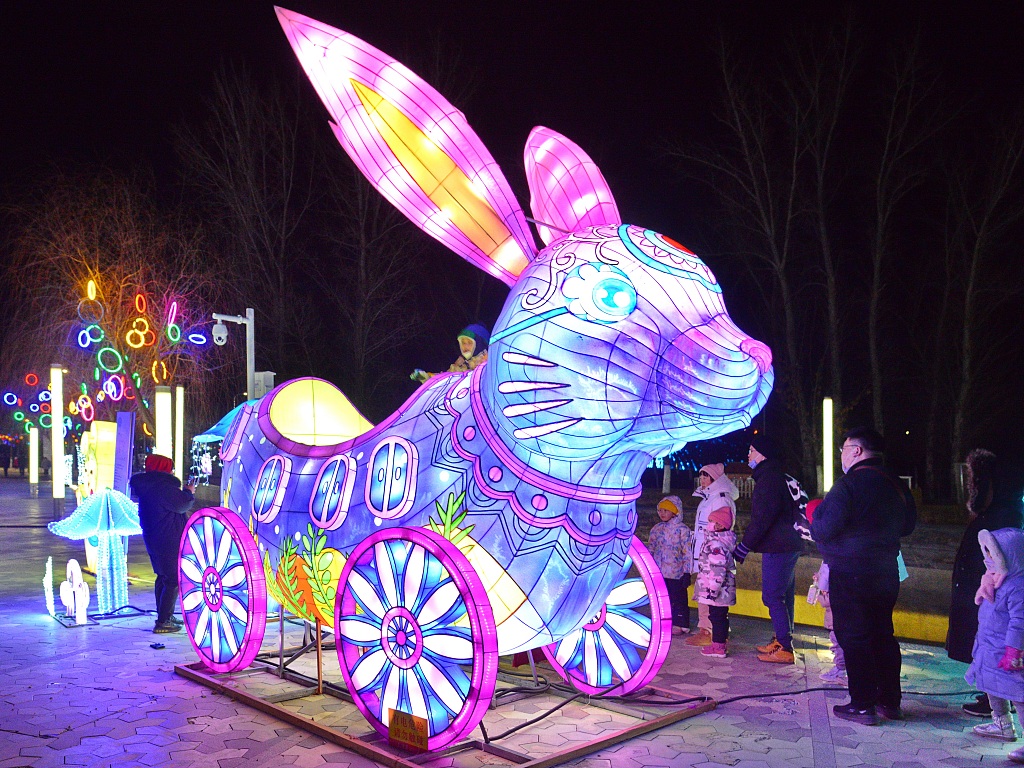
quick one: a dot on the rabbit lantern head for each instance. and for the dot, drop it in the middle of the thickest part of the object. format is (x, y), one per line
(614, 345)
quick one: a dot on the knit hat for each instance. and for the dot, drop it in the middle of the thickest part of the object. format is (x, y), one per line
(722, 518)
(714, 471)
(157, 463)
(764, 445)
(671, 504)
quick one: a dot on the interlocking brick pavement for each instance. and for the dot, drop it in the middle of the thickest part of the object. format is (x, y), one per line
(101, 696)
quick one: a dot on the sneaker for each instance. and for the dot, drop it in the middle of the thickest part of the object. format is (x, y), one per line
(980, 707)
(864, 716)
(1000, 728)
(714, 650)
(835, 676)
(680, 630)
(175, 620)
(778, 656)
(770, 647)
(700, 638)
(166, 628)
(890, 713)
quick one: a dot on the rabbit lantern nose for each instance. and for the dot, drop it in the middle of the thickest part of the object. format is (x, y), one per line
(759, 352)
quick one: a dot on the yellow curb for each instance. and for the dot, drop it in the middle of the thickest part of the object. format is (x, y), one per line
(925, 627)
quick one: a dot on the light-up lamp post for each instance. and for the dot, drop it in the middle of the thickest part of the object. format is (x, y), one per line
(220, 338)
(164, 437)
(179, 431)
(33, 461)
(57, 436)
(827, 449)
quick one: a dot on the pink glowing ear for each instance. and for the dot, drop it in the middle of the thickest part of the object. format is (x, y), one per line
(566, 186)
(414, 147)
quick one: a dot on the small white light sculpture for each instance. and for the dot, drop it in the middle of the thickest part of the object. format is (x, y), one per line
(74, 593)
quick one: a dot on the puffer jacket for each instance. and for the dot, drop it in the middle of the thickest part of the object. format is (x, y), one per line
(1001, 624)
(771, 514)
(721, 493)
(716, 579)
(159, 494)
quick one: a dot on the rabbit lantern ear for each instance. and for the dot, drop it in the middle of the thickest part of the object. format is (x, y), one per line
(414, 147)
(567, 188)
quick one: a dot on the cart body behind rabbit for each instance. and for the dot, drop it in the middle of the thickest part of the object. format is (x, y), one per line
(495, 510)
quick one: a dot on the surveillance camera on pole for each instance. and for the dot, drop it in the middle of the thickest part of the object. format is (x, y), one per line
(220, 334)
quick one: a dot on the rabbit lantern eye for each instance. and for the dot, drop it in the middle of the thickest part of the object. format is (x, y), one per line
(599, 293)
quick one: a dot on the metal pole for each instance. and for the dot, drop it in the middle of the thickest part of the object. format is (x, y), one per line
(250, 353)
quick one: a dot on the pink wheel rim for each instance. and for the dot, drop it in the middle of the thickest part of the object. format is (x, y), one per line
(402, 649)
(623, 647)
(222, 590)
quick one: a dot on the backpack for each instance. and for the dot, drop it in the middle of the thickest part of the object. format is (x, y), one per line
(800, 500)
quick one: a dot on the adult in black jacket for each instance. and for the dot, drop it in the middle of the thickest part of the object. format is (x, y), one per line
(163, 507)
(994, 490)
(771, 533)
(857, 529)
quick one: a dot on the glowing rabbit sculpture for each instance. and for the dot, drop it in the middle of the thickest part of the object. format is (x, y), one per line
(495, 510)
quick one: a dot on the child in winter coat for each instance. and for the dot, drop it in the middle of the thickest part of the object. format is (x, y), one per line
(998, 665)
(716, 568)
(669, 542)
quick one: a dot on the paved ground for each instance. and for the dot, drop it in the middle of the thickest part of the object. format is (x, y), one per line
(101, 695)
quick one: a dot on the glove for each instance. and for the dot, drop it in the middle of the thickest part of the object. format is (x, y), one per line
(740, 553)
(1013, 660)
(419, 375)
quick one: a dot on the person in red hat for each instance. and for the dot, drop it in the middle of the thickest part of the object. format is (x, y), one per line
(163, 509)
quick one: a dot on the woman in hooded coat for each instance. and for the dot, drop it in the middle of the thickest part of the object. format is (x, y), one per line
(993, 502)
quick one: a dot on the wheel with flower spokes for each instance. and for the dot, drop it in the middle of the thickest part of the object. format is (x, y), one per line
(622, 648)
(415, 633)
(222, 589)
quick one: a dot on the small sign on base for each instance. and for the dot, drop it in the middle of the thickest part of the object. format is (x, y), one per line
(407, 731)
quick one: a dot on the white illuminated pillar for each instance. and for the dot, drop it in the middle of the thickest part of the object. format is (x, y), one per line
(33, 456)
(179, 432)
(827, 450)
(57, 435)
(164, 437)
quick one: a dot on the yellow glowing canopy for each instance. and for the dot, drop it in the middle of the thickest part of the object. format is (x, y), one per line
(315, 412)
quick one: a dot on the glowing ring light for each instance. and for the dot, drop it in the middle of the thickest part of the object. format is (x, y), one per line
(150, 338)
(136, 337)
(28, 427)
(88, 413)
(223, 589)
(31, 379)
(174, 333)
(86, 338)
(44, 407)
(90, 290)
(73, 408)
(198, 339)
(44, 396)
(19, 416)
(33, 407)
(101, 396)
(137, 379)
(85, 389)
(145, 428)
(129, 394)
(110, 367)
(172, 313)
(46, 421)
(114, 387)
(96, 373)
(67, 422)
(140, 303)
(10, 398)
(90, 312)
(163, 370)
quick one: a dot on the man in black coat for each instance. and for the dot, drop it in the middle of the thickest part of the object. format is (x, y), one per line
(163, 509)
(857, 529)
(771, 533)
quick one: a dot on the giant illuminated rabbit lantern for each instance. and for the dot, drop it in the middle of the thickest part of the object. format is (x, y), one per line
(495, 511)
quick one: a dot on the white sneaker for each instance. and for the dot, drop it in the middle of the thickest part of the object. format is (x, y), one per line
(835, 675)
(1000, 728)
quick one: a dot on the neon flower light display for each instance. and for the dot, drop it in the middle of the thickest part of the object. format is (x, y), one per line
(495, 510)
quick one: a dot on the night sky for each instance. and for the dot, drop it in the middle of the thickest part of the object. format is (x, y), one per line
(104, 83)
